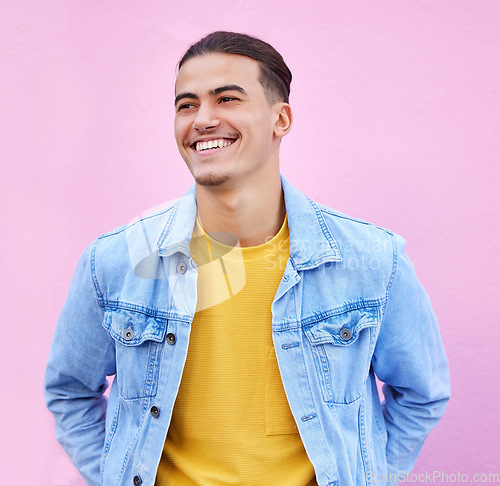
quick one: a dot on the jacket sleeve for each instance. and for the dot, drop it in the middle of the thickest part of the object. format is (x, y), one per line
(409, 358)
(81, 356)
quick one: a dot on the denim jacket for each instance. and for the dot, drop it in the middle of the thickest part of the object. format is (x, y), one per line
(348, 308)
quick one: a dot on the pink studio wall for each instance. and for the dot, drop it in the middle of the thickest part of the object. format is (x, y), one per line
(396, 109)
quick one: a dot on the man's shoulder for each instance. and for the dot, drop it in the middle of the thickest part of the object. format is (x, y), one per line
(114, 251)
(151, 218)
(355, 232)
(336, 214)
(339, 228)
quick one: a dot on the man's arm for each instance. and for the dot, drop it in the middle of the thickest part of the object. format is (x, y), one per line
(409, 358)
(81, 357)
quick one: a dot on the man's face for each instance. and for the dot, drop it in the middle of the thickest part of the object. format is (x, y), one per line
(224, 124)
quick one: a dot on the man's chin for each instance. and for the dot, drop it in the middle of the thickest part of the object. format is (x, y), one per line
(212, 180)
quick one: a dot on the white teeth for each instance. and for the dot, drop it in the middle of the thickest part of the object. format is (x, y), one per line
(211, 144)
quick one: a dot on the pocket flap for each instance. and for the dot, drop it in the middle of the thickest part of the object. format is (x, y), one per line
(133, 328)
(342, 329)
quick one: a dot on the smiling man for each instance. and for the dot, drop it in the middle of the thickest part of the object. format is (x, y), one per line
(244, 323)
(228, 129)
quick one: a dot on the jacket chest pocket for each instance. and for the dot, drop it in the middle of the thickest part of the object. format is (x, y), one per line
(138, 340)
(341, 347)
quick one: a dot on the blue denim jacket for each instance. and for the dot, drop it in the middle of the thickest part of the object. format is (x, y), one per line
(348, 308)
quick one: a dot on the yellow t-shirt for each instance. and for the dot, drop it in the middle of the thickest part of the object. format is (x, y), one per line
(231, 423)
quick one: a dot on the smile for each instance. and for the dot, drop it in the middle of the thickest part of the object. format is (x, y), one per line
(212, 144)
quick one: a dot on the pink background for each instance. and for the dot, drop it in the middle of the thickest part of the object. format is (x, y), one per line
(397, 110)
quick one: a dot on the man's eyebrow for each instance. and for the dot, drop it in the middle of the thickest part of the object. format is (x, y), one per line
(229, 87)
(181, 96)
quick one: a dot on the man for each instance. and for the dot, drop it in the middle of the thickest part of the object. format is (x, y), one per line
(245, 324)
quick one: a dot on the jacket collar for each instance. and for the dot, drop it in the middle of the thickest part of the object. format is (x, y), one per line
(311, 242)
(176, 234)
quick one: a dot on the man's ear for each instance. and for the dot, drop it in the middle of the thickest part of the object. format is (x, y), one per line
(284, 119)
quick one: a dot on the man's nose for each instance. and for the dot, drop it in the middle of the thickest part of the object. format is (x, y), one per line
(206, 118)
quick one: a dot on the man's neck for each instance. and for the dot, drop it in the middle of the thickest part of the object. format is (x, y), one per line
(253, 213)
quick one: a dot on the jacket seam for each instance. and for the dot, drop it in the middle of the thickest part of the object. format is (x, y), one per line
(362, 304)
(363, 440)
(285, 325)
(109, 438)
(393, 276)
(111, 305)
(311, 394)
(97, 289)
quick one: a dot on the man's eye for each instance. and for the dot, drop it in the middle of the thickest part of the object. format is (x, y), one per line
(184, 106)
(225, 99)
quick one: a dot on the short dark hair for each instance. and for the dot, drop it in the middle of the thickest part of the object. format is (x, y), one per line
(275, 76)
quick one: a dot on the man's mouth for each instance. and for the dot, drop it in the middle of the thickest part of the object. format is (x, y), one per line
(212, 144)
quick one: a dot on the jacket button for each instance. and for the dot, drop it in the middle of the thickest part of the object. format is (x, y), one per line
(345, 334)
(181, 268)
(137, 481)
(128, 334)
(170, 338)
(155, 411)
